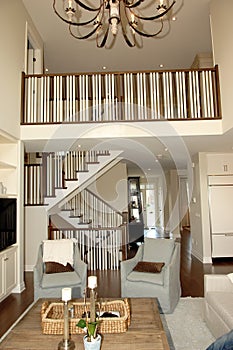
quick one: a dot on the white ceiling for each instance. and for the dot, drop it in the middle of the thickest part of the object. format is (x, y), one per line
(188, 35)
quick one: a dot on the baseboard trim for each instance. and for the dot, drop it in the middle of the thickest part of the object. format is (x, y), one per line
(203, 259)
(28, 268)
(19, 288)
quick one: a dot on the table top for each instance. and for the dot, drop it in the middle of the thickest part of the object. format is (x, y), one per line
(145, 331)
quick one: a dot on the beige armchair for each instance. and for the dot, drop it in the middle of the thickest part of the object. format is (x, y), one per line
(165, 285)
(49, 285)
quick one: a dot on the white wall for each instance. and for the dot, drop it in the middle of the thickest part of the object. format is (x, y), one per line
(13, 17)
(112, 187)
(195, 212)
(172, 217)
(222, 33)
(36, 228)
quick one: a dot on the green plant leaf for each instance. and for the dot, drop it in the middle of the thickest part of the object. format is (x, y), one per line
(81, 323)
(91, 328)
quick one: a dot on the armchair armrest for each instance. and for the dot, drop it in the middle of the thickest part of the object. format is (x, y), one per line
(172, 270)
(38, 269)
(217, 283)
(80, 267)
(128, 265)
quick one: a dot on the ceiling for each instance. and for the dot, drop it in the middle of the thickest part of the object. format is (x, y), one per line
(188, 35)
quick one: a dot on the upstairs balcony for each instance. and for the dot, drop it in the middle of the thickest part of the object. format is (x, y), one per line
(176, 95)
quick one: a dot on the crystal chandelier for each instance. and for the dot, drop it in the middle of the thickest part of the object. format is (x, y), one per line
(86, 21)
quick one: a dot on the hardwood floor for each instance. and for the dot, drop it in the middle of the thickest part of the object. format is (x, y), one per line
(192, 276)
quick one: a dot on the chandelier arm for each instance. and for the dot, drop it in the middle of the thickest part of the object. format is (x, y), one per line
(74, 23)
(127, 40)
(146, 34)
(84, 36)
(154, 17)
(87, 7)
(136, 4)
(103, 42)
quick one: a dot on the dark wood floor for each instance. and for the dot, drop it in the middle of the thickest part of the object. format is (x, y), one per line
(192, 276)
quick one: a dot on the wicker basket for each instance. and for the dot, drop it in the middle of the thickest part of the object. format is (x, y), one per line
(53, 322)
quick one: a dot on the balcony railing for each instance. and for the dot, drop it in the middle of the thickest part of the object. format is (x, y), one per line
(111, 97)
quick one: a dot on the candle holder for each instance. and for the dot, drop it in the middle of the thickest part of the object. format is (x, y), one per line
(92, 340)
(66, 343)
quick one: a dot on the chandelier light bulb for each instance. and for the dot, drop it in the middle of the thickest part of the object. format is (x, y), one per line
(114, 26)
(114, 16)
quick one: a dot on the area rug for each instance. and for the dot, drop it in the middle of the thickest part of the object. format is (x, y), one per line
(185, 327)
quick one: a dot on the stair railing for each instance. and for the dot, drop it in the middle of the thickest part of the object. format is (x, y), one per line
(131, 96)
(42, 180)
(90, 207)
(101, 248)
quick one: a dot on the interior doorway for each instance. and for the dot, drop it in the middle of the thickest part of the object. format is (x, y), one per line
(152, 203)
(33, 53)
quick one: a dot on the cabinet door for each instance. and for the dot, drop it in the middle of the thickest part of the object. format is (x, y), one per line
(10, 269)
(2, 276)
(220, 164)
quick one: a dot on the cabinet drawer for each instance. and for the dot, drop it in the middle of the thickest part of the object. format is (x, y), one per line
(222, 245)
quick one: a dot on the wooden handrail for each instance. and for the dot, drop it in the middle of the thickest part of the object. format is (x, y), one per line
(188, 94)
(123, 72)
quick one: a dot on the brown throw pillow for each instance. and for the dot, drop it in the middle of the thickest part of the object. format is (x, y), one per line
(147, 266)
(54, 267)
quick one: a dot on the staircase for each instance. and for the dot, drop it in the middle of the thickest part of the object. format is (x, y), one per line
(58, 180)
(50, 178)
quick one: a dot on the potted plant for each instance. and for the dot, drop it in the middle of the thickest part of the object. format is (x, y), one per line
(92, 340)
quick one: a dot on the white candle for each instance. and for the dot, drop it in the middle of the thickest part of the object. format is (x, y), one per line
(92, 282)
(66, 294)
(161, 2)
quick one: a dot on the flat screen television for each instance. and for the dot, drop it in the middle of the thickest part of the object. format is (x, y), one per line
(7, 222)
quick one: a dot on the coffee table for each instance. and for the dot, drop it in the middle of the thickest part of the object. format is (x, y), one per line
(145, 332)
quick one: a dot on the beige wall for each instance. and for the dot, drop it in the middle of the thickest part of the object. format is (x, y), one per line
(173, 223)
(222, 33)
(112, 187)
(36, 228)
(13, 17)
(195, 212)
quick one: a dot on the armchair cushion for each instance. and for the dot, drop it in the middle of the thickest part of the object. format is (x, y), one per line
(153, 278)
(158, 249)
(54, 280)
(54, 267)
(147, 266)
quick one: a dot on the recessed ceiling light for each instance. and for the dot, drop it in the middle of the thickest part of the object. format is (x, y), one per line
(104, 67)
(161, 65)
(46, 69)
(174, 18)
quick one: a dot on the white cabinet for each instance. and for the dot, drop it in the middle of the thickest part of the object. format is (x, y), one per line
(8, 273)
(220, 164)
